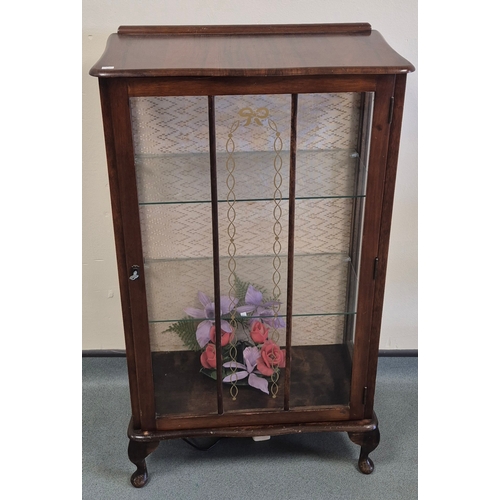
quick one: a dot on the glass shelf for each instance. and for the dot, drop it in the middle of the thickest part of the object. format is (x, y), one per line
(320, 283)
(185, 230)
(327, 329)
(185, 178)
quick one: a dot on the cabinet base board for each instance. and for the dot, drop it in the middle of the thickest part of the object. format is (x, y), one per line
(351, 426)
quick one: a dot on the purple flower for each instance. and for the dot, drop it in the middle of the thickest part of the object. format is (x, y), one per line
(250, 356)
(208, 314)
(253, 298)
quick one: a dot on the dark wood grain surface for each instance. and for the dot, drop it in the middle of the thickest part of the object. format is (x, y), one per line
(126, 195)
(323, 387)
(121, 256)
(321, 377)
(370, 240)
(250, 29)
(385, 229)
(260, 54)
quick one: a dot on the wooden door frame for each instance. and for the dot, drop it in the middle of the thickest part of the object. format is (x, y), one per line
(389, 95)
(123, 186)
(369, 269)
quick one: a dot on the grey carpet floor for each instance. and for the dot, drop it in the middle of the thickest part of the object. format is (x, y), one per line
(316, 466)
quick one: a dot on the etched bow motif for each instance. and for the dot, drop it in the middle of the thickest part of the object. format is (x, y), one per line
(258, 115)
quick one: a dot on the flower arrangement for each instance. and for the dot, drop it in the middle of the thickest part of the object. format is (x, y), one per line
(249, 356)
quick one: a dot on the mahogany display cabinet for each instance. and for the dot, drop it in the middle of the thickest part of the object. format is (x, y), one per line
(252, 173)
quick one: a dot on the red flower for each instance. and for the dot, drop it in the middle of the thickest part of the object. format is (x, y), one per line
(225, 338)
(259, 332)
(271, 357)
(208, 357)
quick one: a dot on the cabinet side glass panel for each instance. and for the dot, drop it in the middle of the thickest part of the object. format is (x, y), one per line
(365, 124)
(328, 210)
(171, 147)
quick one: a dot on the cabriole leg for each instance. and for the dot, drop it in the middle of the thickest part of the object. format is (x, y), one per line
(137, 453)
(368, 442)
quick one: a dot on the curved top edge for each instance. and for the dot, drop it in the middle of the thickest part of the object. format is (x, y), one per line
(275, 72)
(250, 29)
(248, 54)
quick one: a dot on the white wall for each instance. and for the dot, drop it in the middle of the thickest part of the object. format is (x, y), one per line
(395, 19)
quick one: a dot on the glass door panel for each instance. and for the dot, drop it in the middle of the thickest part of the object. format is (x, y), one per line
(172, 162)
(329, 196)
(253, 156)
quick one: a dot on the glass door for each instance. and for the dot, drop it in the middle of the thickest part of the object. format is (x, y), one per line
(280, 253)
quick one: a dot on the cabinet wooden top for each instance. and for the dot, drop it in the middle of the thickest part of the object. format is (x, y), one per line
(245, 50)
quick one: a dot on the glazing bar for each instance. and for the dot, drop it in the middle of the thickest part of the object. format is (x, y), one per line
(215, 240)
(291, 230)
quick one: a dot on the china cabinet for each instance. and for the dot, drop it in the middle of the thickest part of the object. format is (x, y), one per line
(252, 172)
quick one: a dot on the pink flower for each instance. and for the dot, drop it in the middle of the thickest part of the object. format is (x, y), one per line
(271, 357)
(225, 338)
(209, 357)
(259, 332)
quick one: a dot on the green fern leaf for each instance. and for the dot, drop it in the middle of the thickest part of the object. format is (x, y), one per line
(186, 330)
